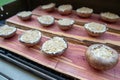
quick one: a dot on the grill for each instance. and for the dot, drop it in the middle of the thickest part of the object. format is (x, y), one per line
(28, 65)
(38, 69)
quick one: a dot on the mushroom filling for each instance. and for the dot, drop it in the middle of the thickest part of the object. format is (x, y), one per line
(66, 22)
(24, 14)
(102, 51)
(54, 45)
(47, 6)
(65, 7)
(46, 19)
(110, 15)
(95, 27)
(84, 10)
(6, 30)
(31, 36)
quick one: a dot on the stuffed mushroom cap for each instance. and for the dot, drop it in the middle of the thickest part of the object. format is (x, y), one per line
(7, 31)
(48, 7)
(46, 20)
(30, 37)
(65, 9)
(102, 57)
(54, 46)
(84, 12)
(109, 17)
(25, 15)
(65, 24)
(95, 29)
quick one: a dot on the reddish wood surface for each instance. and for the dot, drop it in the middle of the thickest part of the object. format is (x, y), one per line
(94, 17)
(72, 62)
(77, 32)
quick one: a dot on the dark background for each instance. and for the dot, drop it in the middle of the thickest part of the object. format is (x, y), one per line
(97, 5)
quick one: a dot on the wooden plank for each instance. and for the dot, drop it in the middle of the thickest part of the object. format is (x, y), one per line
(72, 62)
(113, 27)
(76, 33)
(86, 69)
(14, 45)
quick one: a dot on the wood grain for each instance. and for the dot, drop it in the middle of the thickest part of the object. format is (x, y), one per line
(72, 62)
(76, 34)
(113, 27)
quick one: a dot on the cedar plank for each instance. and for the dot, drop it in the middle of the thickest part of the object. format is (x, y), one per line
(79, 20)
(72, 62)
(76, 32)
(18, 48)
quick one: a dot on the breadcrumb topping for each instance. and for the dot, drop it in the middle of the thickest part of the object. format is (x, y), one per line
(46, 19)
(84, 10)
(65, 7)
(102, 51)
(95, 27)
(6, 30)
(24, 13)
(110, 15)
(31, 36)
(66, 22)
(51, 5)
(54, 45)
